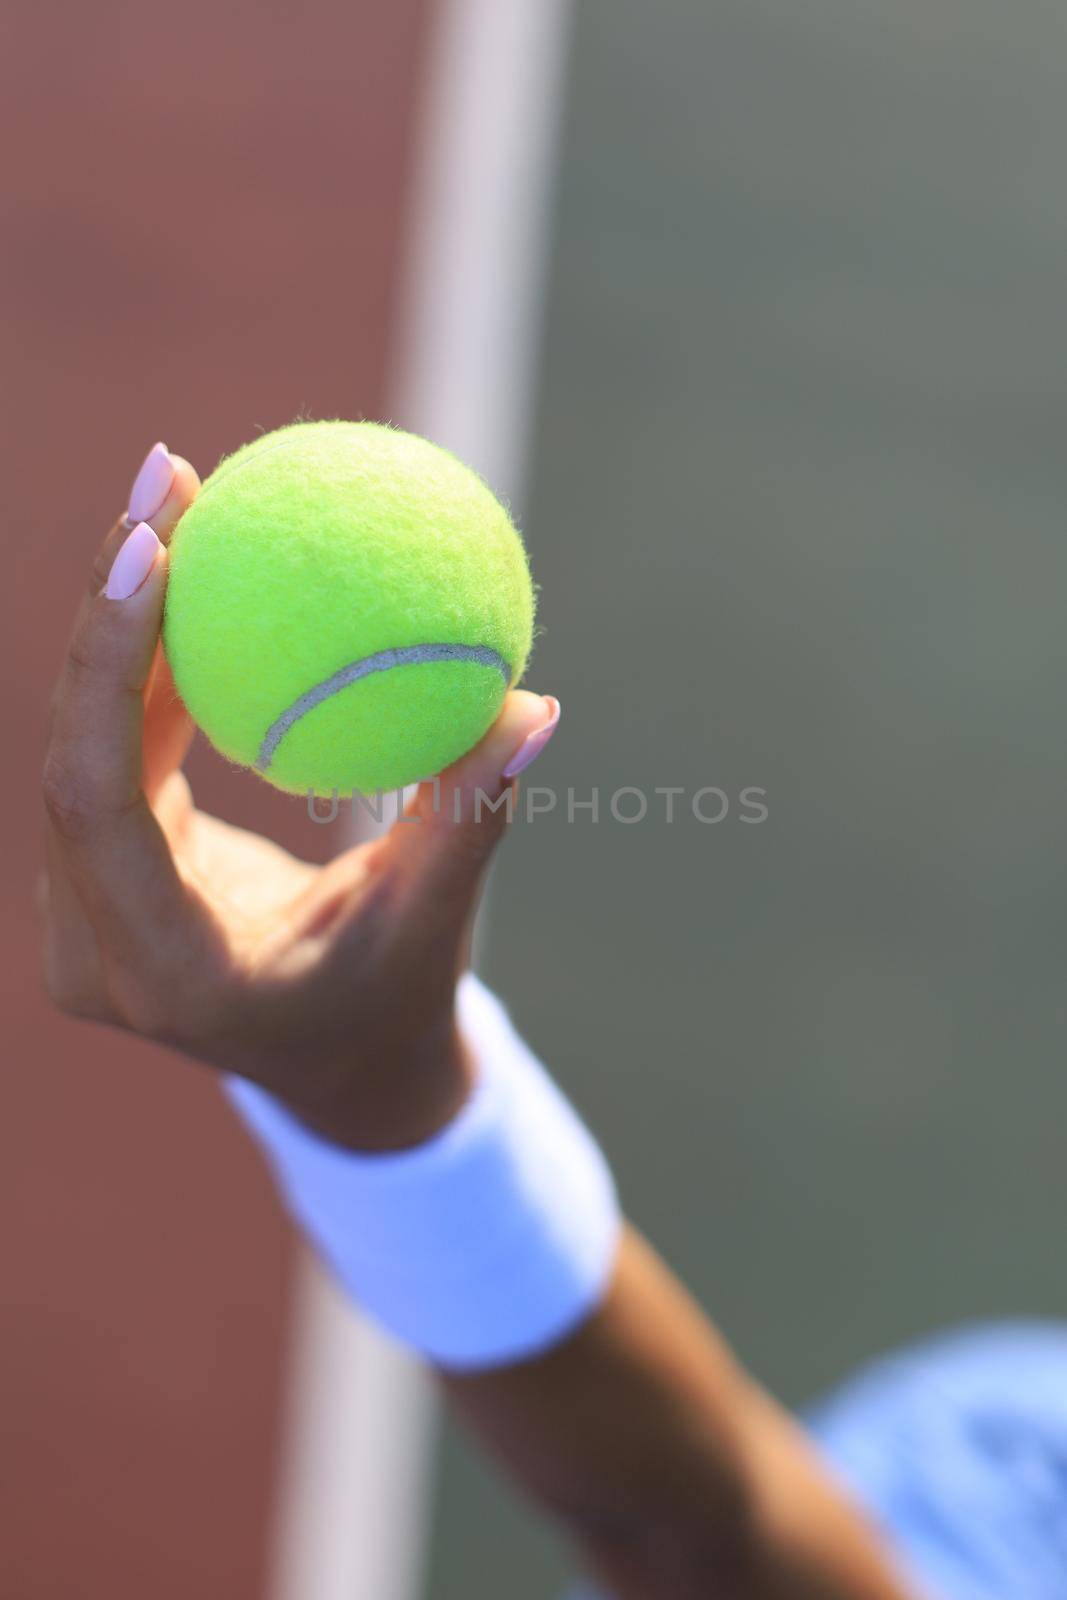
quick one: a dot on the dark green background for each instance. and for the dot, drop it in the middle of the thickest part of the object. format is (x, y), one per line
(797, 512)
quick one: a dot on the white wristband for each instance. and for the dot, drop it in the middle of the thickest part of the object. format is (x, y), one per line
(487, 1244)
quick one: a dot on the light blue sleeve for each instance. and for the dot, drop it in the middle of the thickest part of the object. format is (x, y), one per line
(957, 1447)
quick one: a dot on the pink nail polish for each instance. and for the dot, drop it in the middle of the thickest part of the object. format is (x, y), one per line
(535, 742)
(135, 560)
(151, 485)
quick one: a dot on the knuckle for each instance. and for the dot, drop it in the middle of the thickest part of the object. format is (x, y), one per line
(97, 652)
(150, 1016)
(211, 999)
(70, 994)
(169, 1006)
(68, 801)
(470, 845)
(84, 659)
(135, 1001)
(98, 657)
(160, 1017)
(100, 570)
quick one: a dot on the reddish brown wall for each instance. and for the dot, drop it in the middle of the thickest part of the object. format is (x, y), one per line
(200, 233)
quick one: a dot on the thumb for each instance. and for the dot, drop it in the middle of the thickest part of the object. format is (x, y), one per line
(444, 842)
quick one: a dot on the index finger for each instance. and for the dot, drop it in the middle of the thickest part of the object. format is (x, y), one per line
(98, 815)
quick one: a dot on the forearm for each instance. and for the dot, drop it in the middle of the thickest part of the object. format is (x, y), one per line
(495, 1250)
(678, 1476)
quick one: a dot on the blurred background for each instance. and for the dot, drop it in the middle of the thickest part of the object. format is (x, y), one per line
(757, 314)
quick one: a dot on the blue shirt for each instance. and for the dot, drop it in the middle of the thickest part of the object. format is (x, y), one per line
(958, 1449)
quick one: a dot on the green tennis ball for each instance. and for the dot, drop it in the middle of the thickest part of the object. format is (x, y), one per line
(346, 609)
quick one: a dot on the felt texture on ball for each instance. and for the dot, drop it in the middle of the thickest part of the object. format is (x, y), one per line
(346, 609)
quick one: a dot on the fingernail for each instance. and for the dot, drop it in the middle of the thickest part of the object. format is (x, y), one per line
(135, 560)
(151, 485)
(535, 742)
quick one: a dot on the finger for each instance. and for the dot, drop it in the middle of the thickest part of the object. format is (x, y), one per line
(152, 486)
(164, 488)
(182, 489)
(168, 728)
(97, 812)
(444, 843)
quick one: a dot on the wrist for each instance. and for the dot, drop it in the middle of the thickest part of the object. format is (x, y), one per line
(483, 1245)
(399, 1101)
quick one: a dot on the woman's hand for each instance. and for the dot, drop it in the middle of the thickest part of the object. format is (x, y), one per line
(332, 987)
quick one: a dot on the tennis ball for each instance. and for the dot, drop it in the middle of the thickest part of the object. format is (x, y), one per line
(347, 607)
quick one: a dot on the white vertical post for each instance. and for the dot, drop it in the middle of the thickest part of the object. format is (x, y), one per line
(469, 330)
(355, 1486)
(358, 1457)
